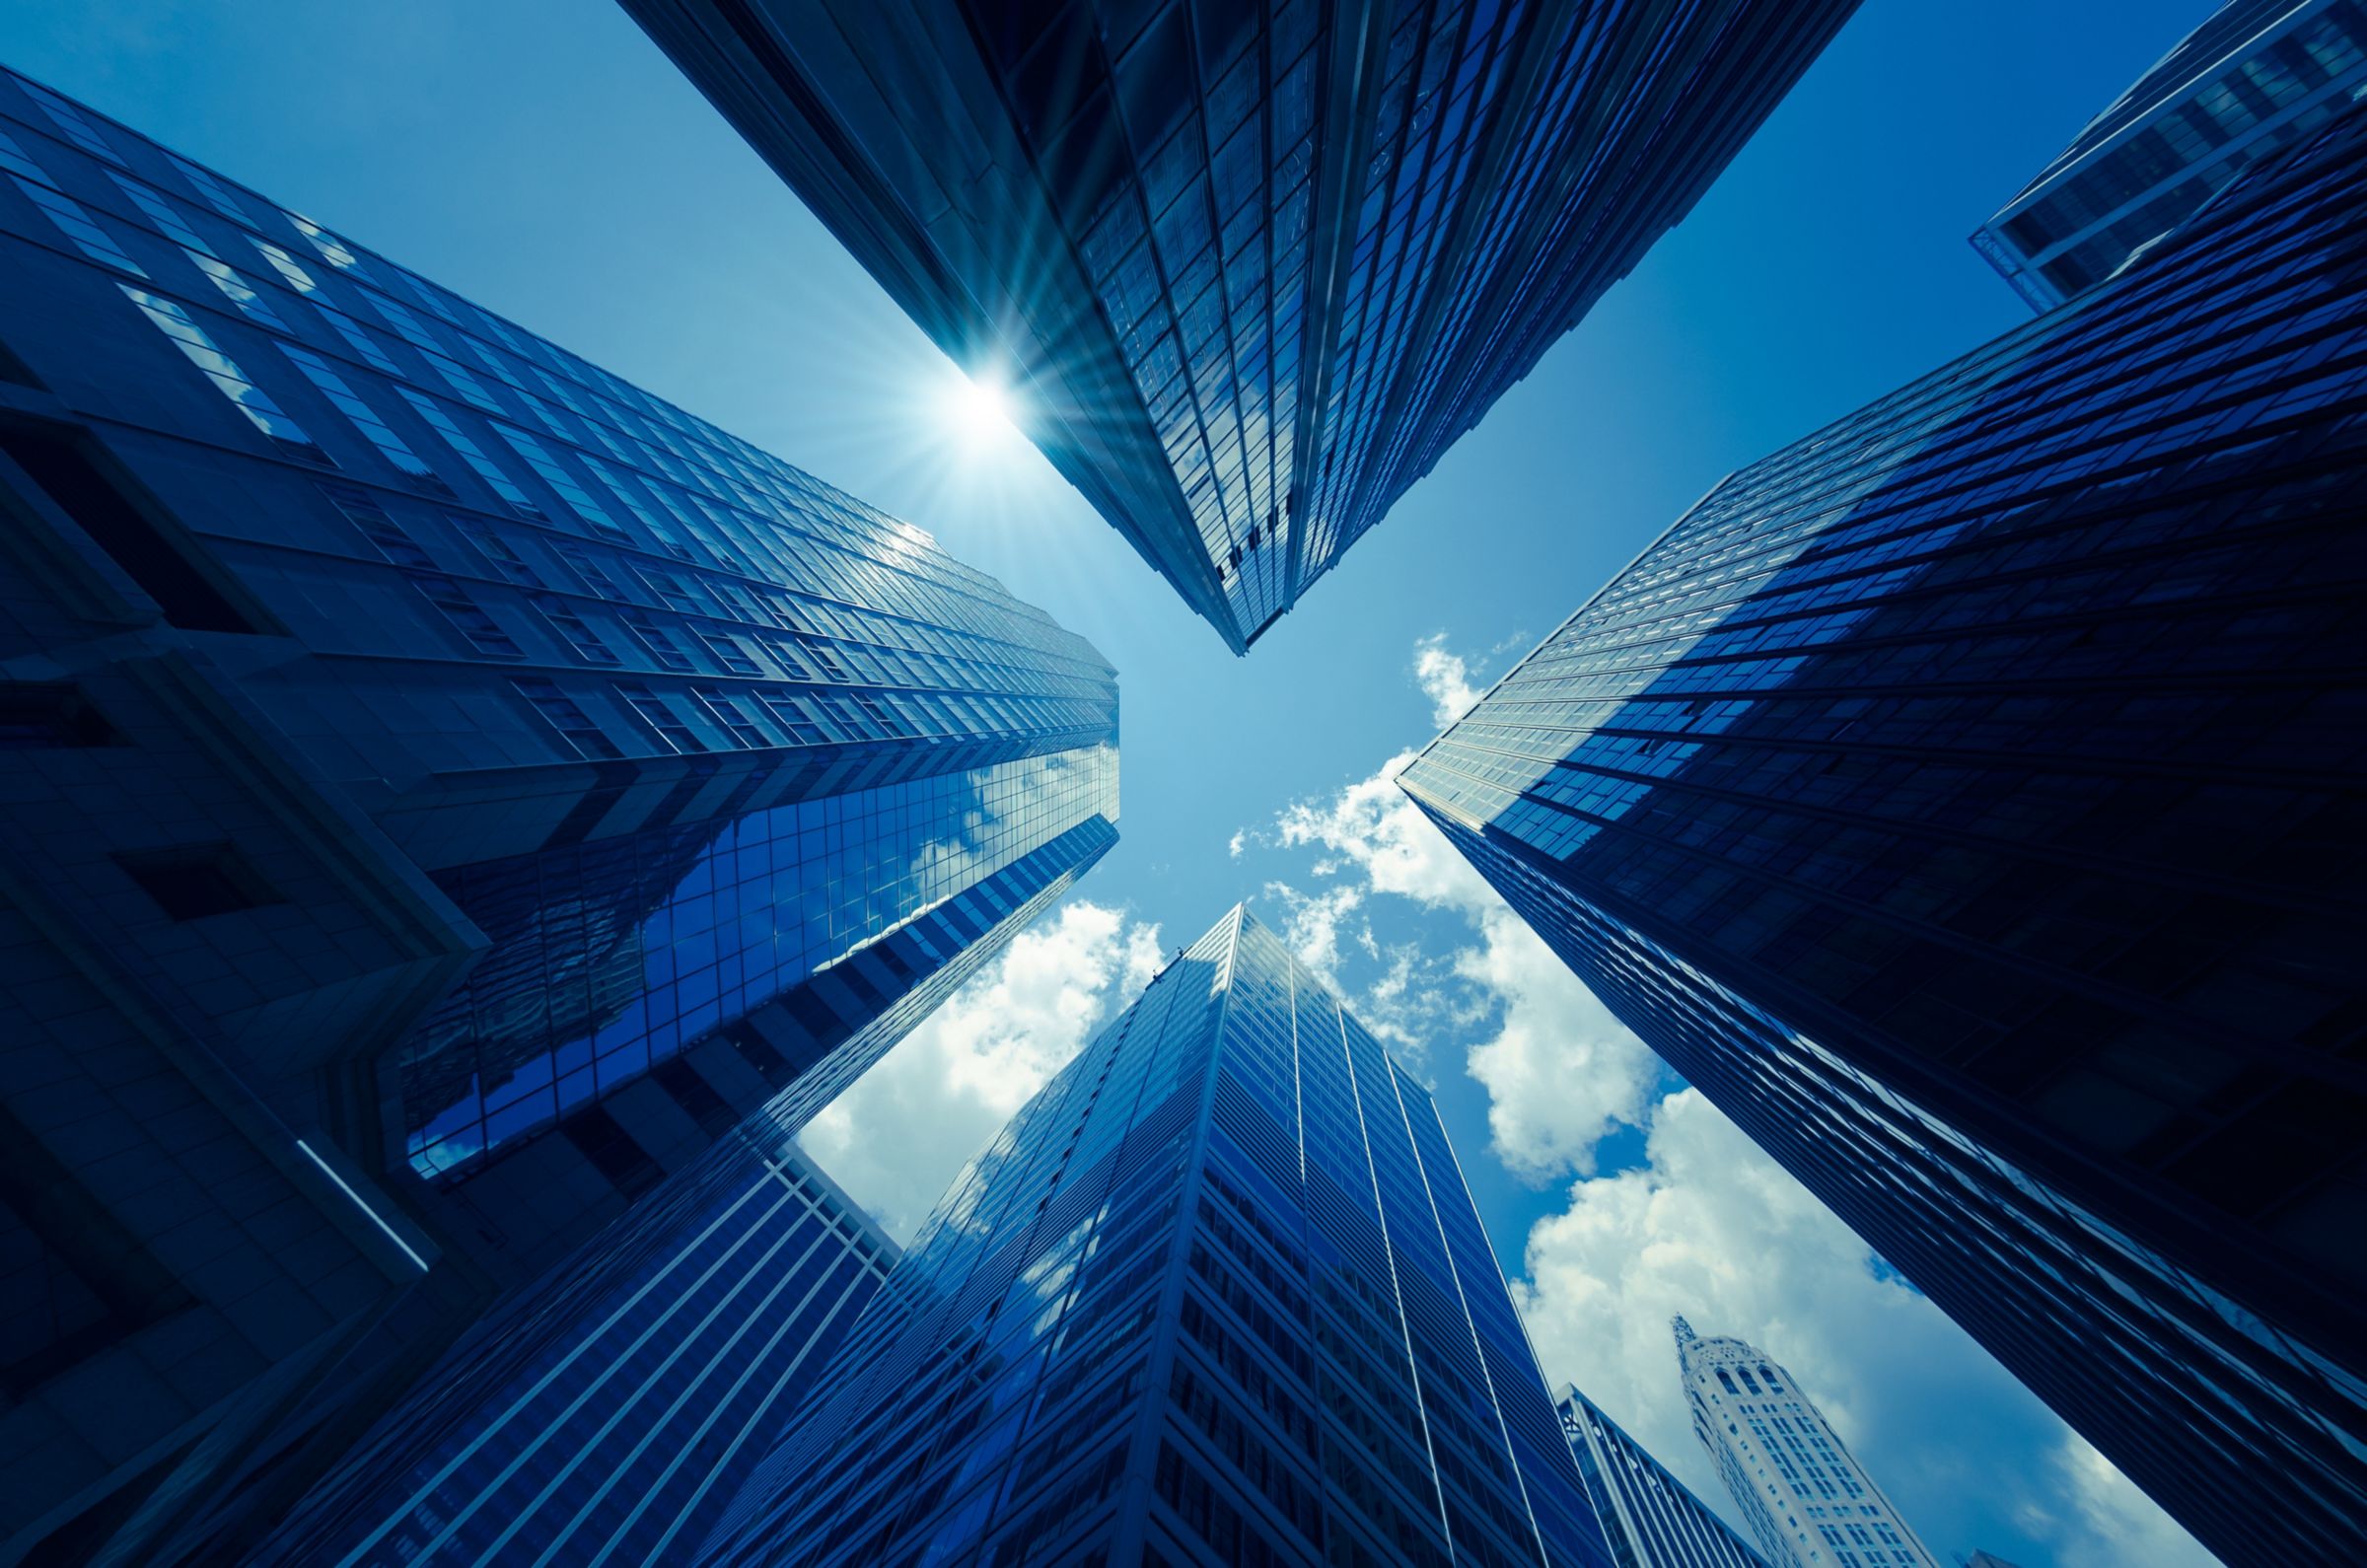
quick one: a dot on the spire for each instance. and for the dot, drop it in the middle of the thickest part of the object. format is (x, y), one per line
(1685, 1339)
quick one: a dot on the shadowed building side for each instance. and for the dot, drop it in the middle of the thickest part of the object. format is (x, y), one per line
(1965, 799)
(1252, 266)
(449, 790)
(609, 1411)
(1652, 1518)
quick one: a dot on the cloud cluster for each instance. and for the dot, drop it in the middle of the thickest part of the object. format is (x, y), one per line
(1710, 1226)
(1376, 900)
(1562, 1073)
(897, 1136)
(1372, 831)
(1445, 679)
(1704, 1224)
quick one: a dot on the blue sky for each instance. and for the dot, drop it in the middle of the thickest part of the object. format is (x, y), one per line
(543, 159)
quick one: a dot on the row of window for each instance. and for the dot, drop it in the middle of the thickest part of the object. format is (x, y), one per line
(340, 391)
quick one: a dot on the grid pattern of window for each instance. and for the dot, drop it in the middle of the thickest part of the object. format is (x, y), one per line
(1964, 798)
(1808, 1501)
(2257, 75)
(609, 1413)
(1273, 262)
(769, 573)
(1653, 1518)
(1223, 1265)
(611, 956)
(676, 725)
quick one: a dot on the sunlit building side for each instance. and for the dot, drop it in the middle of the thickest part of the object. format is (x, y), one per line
(1808, 1501)
(2257, 75)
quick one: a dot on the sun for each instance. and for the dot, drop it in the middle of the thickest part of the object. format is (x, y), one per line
(978, 412)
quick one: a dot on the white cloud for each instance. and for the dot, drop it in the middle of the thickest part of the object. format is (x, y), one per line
(1706, 1224)
(2113, 1521)
(1445, 679)
(1233, 847)
(897, 1137)
(1712, 1227)
(1371, 827)
(1312, 925)
(1562, 1073)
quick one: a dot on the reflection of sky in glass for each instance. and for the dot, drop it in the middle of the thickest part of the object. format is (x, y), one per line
(1633, 656)
(590, 990)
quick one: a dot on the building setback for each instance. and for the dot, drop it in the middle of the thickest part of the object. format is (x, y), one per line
(1252, 268)
(1217, 1294)
(609, 1413)
(1808, 1501)
(1965, 798)
(1653, 1518)
(2253, 77)
(447, 789)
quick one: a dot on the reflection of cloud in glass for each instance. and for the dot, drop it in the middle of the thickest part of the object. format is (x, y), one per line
(611, 955)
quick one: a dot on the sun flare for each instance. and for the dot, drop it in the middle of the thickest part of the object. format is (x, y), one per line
(980, 412)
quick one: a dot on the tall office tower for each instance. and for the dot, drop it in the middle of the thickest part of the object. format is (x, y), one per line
(2256, 76)
(1217, 1294)
(609, 1413)
(447, 789)
(1252, 267)
(1808, 1501)
(1653, 1518)
(1965, 798)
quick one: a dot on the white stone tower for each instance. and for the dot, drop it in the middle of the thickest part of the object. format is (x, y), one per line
(1802, 1492)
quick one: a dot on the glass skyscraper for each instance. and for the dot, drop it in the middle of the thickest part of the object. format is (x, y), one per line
(609, 1413)
(447, 790)
(1966, 799)
(1653, 1518)
(1808, 1501)
(2253, 77)
(1216, 1295)
(1252, 268)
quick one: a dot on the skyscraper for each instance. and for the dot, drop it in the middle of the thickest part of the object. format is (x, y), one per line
(609, 1411)
(1965, 798)
(448, 788)
(2253, 77)
(1252, 268)
(1218, 1289)
(1808, 1501)
(1653, 1518)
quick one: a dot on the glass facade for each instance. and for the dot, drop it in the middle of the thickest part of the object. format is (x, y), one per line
(1965, 798)
(473, 785)
(613, 955)
(608, 1414)
(2253, 77)
(1808, 1501)
(1653, 1519)
(1217, 1294)
(748, 722)
(1252, 268)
